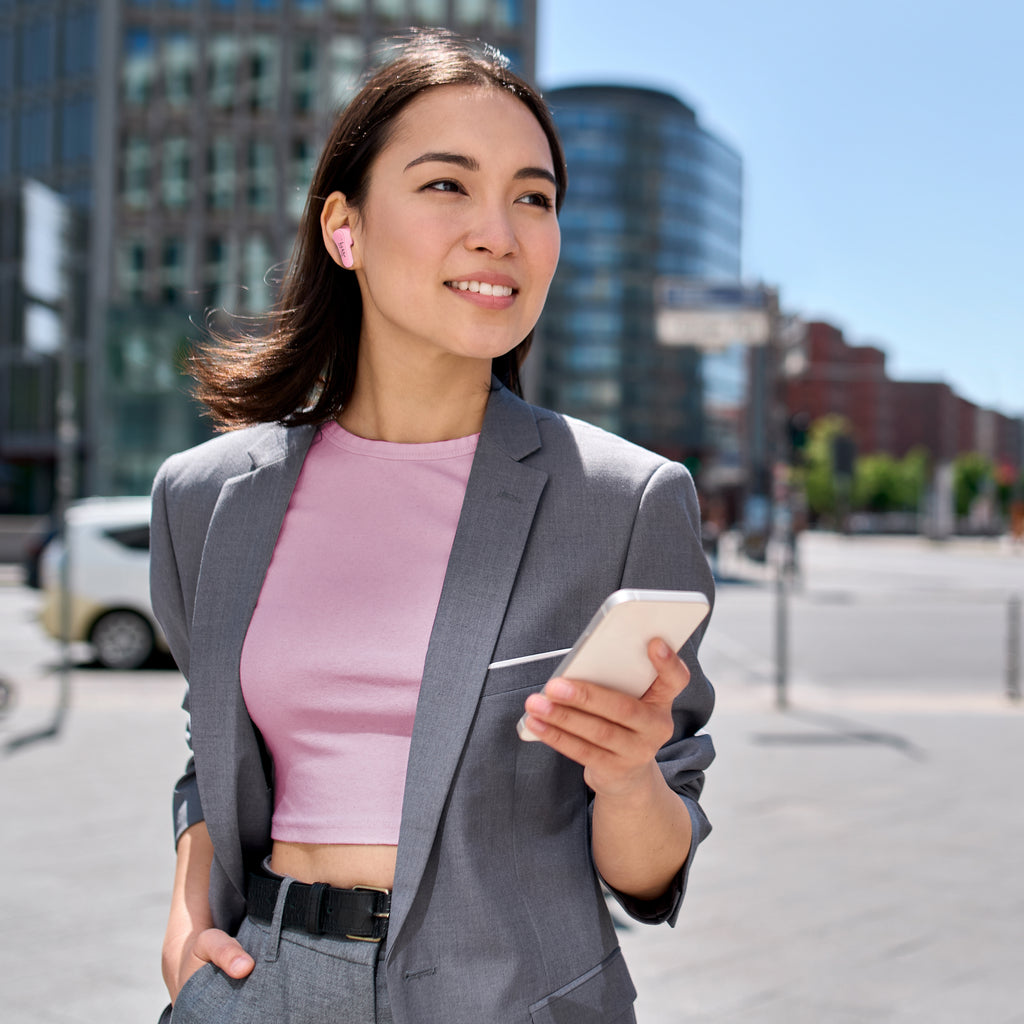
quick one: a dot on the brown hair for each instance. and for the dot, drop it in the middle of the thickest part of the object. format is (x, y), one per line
(301, 367)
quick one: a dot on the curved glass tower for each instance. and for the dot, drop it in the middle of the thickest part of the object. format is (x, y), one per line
(651, 194)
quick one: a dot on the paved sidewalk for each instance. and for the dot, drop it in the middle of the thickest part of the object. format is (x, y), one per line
(865, 865)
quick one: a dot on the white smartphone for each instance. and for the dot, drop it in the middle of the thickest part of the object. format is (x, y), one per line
(612, 650)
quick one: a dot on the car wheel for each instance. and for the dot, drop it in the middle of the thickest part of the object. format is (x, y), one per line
(122, 640)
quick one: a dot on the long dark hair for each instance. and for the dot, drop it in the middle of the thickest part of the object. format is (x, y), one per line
(299, 366)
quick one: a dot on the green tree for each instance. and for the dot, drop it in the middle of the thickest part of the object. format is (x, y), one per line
(876, 483)
(971, 472)
(883, 483)
(1009, 486)
(915, 474)
(816, 476)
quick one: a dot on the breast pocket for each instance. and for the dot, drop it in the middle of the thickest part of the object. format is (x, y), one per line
(512, 679)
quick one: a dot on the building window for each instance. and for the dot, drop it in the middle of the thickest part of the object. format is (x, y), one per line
(223, 71)
(6, 162)
(176, 169)
(471, 12)
(137, 161)
(179, 61)
(80, 43)
(263, 73)
(217, 290)
(220, 181)
(351, 7)
(390, 10)
(308, 6)
(266, 5)
(139, 72)
(508, 14)
(429, 12)
(260, 178)
(131, 271)
(255, 267)
(304, 76)
(35, 138)
(345, 56)
(31, 398)
(36, 45)
(6, 60)
(303, 159)
(172, 272)
(76, 129)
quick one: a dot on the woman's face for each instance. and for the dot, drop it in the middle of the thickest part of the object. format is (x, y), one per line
(457, 239)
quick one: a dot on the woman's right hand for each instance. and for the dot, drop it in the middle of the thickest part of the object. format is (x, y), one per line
(211, 946)
(191, 940)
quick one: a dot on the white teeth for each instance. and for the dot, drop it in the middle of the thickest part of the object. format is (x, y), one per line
(482, 287)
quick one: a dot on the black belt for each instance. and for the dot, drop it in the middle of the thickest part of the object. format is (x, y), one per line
(320, 909)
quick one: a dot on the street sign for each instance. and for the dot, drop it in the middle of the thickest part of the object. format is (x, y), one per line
(710, 316)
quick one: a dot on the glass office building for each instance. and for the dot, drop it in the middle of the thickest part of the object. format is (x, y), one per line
(182, 134)
(652, 194)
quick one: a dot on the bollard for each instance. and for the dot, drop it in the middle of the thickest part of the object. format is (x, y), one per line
(781, 640)
(1013, 648)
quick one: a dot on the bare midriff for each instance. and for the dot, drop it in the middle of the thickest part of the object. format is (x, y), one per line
(345, 866)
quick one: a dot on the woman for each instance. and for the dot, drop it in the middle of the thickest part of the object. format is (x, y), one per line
(336, 578)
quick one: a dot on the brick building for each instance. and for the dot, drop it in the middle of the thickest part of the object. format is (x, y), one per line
(895, 416)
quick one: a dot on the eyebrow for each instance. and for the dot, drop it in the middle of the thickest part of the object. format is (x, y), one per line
(469, 164)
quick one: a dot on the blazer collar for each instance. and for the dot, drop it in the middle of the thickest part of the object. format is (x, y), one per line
(510, 424)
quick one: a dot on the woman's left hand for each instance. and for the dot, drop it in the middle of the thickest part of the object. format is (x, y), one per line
(614, 736)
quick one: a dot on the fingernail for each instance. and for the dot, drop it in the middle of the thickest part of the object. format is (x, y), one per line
(535, 726)
(561, 688)
(661, 649)
(538, 704)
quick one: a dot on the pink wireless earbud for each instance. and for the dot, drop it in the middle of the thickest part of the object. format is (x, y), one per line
(343, 240)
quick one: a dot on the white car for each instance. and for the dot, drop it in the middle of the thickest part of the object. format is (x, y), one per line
(109, 581)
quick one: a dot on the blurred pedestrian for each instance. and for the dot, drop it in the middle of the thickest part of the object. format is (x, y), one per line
(361, 835)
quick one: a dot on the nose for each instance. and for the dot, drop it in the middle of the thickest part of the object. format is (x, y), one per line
(492, 231)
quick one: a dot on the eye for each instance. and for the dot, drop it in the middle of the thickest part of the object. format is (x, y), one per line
(537, 199)
(443, 185)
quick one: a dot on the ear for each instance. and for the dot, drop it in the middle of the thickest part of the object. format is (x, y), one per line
(336, 214)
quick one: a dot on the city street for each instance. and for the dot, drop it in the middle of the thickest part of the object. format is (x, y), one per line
(865, 863)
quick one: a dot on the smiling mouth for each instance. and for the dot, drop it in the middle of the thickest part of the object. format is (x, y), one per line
(482, 287)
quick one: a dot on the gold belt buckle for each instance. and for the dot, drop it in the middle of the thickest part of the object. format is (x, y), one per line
(385, 915)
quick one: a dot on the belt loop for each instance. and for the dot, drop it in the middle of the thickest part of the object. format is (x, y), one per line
(274, 938)
(314, 908)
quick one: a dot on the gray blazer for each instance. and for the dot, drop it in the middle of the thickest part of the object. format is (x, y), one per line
(497, 915)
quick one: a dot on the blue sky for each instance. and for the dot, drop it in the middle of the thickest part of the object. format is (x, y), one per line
(883, 148)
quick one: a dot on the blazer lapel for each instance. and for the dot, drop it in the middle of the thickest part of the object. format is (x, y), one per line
(239, 544)
(497, 513)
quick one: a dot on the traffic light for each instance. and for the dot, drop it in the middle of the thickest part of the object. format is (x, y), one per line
(797, 427)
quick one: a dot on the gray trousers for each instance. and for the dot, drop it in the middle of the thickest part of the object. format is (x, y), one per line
(298, 979)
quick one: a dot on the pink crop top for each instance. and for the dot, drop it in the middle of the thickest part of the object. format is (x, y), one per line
(333, 658)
